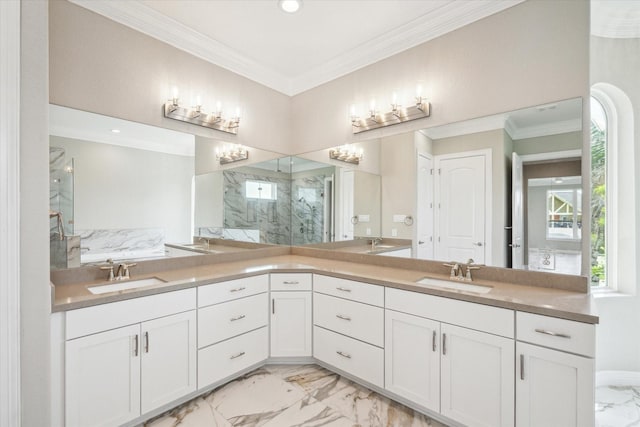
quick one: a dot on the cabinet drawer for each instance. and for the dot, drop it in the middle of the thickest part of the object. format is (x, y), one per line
(349, 289)
(354, 357)
(291, 281)
(360, 321)
(224, 359)
(219, 322)
(495, 320)
(232, 289)
(90, 320)
(561, 334)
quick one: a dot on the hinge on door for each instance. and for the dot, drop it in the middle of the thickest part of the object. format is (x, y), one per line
(439, 171)
(430, 205)
(438, 239)
(431, 238)
(431, 170)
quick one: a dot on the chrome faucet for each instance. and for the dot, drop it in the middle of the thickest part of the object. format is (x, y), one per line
(110, 268)
(456, 271)
(470, 266)
(123, 271)
(374, 242)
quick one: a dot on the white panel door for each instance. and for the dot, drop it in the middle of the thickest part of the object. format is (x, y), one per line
(424, 229)
(461, 208)
(517, 213)
(412, 358)
(553, 388)
(291, 324)
(477, 382)
(168, 349)
(102, 383)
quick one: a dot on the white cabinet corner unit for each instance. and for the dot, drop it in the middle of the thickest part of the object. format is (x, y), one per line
(466, 363)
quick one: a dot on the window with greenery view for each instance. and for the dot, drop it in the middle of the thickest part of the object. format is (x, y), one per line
(598, 193)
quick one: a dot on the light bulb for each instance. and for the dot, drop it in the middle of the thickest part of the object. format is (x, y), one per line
(290, 6)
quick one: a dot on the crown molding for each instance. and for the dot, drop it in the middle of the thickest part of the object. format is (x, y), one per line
(447, 18)
(142, 18)
(615, 19)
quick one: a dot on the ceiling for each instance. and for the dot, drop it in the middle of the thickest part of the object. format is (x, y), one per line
(292, 53)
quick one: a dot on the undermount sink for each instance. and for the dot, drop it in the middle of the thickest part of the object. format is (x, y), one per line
(460, 286)
(125, 285)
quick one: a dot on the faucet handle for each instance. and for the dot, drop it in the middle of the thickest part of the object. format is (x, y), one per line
(125, 269)
(110, 268)
(454, 268)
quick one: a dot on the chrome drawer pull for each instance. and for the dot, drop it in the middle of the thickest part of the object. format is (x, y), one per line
(235, 356)
(340, 288)
(233, 319)
(135, 348)
(146, 342)
(242, 288)
(444, 344)
(348, 356)
(294, 282)
(553, 334)
(522, 367)
(340, 316)
(433, 341)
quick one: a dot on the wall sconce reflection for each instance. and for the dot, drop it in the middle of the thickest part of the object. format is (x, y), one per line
(346, 153)
(232, 154)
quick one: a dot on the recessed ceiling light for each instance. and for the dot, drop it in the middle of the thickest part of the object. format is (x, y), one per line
(290, 6)
(115, 130)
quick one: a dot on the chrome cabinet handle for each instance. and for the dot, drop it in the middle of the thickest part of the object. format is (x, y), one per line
(293, 282)
(135, 345)
(348, 356)
(433, 341)
(146, 342)
(340, 316)
(444, 344)
(242, 288)
(240, 317)
(522, 367)
(340, 288)
(273, 306)
(235, 356)
(553, 334)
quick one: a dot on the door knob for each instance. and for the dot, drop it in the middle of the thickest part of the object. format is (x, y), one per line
(514, 245)
(420, 242)
(477, 244)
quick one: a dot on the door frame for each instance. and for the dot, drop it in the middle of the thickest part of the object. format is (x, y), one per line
(488, 194)
(416, 231)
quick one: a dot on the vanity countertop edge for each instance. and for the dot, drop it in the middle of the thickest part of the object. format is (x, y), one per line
(564, 304)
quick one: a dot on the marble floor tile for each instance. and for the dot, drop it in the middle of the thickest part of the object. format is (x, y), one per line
(312, 379)
(254, 399)
(308, 412)
(368, 408)
(617, 406)
(195, 413)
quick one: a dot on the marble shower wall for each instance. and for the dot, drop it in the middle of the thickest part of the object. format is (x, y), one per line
(271, 217)
(307, 209)
(61, 189)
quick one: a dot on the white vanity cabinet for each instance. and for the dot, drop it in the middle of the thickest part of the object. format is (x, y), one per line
(555, 372)
(232, 327)
(126, 358)
(290, 308)
(451, 357)
(348, 329)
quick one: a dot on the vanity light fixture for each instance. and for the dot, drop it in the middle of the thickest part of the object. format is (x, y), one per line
(397, 114)
(232, 154)
(347, 154)
(195, 115)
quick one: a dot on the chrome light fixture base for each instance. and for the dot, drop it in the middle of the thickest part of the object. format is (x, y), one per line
(397, 115)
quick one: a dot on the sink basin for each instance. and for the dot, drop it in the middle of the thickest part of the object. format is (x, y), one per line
(460, 286)
(125, 285)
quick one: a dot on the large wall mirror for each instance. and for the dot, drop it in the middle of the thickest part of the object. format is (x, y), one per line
(124, 190)
(503, 190)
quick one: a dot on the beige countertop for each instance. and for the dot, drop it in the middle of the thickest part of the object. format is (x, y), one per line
(545, 300)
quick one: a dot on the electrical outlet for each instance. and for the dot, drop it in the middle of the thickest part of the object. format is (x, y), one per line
(394, 232)
(368, 232)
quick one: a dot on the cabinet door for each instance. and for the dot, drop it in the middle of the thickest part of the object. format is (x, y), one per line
(291, 324)
(168, 349)
(412, 358)
(102, 383)
(477, 377)
(553, 388)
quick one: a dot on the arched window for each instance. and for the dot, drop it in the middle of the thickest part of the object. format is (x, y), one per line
(613, 190)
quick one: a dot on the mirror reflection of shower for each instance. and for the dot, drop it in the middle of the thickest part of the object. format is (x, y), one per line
(308, 217)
